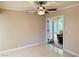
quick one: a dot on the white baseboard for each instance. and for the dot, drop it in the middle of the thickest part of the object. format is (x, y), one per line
(71, 52)
(27, 46)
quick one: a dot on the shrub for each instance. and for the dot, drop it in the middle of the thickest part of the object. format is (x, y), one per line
(61, 31)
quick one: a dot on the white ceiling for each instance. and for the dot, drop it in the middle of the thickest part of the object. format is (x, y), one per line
(30, 5)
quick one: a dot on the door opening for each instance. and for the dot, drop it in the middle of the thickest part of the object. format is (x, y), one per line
(55, 28)
(58, 31)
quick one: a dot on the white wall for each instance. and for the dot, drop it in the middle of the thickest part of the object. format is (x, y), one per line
(20, 29)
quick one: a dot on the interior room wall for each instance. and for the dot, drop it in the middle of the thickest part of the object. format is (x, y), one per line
(19, 29)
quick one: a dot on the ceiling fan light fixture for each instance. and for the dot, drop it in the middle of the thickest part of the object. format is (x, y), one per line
(41, 12)
(40, 7)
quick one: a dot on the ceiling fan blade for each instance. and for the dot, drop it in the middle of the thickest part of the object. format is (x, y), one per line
(51, 9)
(46, 12)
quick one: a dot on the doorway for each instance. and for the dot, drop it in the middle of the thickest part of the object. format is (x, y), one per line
(58, 31)
(55, 31)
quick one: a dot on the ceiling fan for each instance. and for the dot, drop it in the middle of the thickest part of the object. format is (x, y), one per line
(41, 10)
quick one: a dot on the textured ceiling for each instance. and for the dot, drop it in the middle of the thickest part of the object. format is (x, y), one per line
(30, 5)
